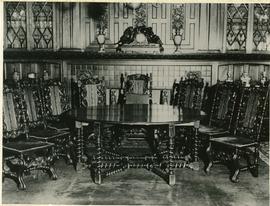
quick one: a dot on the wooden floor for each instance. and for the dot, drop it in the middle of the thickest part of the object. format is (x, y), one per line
(141, 187)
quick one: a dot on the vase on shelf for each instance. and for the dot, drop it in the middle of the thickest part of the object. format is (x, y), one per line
(177, 39)
(101, 43)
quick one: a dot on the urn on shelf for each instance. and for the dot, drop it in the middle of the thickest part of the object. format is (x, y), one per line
(177, 38)
(101, 39)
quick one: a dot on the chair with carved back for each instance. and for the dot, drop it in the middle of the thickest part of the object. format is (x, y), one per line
(92, 93)
(188, 96)
(221, 114)
(243, 144)
(20, 154)
(138, 89)
(190, 91)
(43, 119)
(56, 104)
(135, 89)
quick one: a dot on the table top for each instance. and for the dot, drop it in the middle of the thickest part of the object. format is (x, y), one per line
(136, 114)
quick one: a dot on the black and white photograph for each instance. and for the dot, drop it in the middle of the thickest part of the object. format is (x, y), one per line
(135, 103)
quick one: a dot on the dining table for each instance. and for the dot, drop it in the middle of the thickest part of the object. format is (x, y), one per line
(151, 117)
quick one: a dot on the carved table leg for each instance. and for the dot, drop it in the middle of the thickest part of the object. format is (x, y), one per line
(79, 127)
(81, 158)
(171, 151)
(235, 173)
(209, 162)
(98, 178)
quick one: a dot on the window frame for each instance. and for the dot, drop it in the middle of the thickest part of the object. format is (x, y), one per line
(30, 44)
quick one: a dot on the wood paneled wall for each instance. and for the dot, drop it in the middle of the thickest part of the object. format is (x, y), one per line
(254, 70)
(203, 25)
(163, 74)
(23, 68)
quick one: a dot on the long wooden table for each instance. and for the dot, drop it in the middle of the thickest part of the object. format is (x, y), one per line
(150, 117)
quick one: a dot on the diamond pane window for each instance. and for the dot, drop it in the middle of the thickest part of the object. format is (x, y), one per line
(16, 24)
(237, 18)
(43, 24)
(261, 27)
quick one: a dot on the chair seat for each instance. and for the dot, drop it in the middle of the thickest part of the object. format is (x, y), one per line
(137, 99)
(234, 141)
(58, 125)
(212, 131)
(46, 134)
(26, 146)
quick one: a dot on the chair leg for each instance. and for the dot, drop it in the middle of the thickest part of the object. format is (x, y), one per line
(209, 161)
(254, 168)
(16, 174)
(236, 168)
(51, 172)
(21, 185)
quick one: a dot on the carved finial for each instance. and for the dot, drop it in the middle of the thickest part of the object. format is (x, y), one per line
(263, 77)
(229, 76)
(245, 79)
(45, 75)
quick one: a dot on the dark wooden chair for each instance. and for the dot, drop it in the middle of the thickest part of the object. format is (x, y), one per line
(43, 106)
(188, 96)
(20, 154)
(245, 140)
(135, 89)
(56, 104)
(92, 92)
(221, 114)
(138, 89)
(190, 90)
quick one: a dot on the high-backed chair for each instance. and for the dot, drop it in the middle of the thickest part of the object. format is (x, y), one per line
(43, 119)
(138, 89)
(188, 96)
(221, 114)
(244, 142)
(20, 154)
(135, 89)
(92, 92)
(56, 104)
(190, 91)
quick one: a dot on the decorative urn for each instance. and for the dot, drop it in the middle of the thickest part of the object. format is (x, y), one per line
(101, 42)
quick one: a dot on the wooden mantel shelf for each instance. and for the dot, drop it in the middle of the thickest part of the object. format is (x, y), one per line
(69, 54)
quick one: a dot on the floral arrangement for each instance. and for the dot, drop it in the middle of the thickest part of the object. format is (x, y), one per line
(178, 19)
(98, 12)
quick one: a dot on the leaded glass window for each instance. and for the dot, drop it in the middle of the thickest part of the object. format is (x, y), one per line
(261, 27)
(16, 25)
(237, 19)
(43, 24)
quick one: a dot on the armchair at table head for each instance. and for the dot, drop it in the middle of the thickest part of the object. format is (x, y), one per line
(137, 88)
